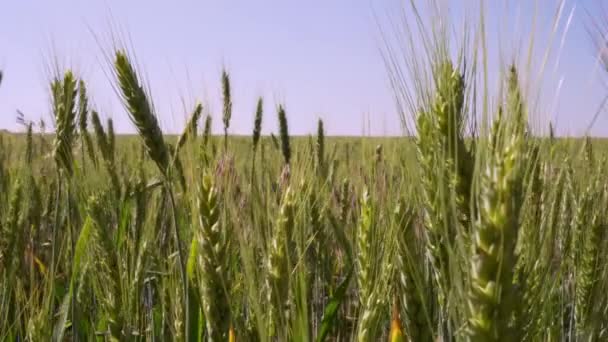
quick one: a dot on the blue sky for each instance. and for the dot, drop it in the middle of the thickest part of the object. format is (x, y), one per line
(319, 58)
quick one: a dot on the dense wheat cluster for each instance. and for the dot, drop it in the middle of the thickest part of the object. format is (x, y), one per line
(461, 233)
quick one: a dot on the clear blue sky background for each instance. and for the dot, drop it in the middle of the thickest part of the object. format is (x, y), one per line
(320, 58)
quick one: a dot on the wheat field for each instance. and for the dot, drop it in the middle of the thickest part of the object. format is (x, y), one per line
(456, 232)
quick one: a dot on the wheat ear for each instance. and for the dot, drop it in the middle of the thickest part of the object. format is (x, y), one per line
(284, 132)
(257, 124)
(492, 292)
(64, 98)
(212, 251)
(277, 281)
(140, 111)
(227, 110)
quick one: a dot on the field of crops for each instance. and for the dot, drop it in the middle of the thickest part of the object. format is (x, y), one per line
(459, 232)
